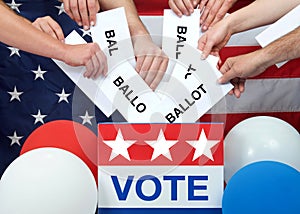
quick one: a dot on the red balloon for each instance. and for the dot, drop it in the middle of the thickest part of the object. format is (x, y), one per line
(67, 135)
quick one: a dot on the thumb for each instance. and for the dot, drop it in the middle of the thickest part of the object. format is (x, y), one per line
(228, 74)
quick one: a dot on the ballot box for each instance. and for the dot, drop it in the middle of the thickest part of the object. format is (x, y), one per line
(160, 168)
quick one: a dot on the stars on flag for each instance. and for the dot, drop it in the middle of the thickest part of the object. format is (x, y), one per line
(86, 32)
(14, 51)
(61, 9)
(86, 118)
(39, 117)
(15, 95)
(39, 73)
(14, 6)
(15, 139)
(35, 90)
(63, 96)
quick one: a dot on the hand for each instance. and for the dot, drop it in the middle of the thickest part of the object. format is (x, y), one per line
(88, 55)
(82, 11)
(49, 26)
(185, 7)
(151, 60)
(237, 69)
(213, 11)
(213, 40)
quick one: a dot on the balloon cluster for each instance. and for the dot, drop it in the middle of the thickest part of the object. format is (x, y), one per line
(54, 174)
(57, 170)
(262, 164)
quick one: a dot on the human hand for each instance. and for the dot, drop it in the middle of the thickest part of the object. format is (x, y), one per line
(151, 61)
(82, 11)
(49, 26)
(185, 7)
(213, 11)
(213, 40)
(237, 69)
(89, 55)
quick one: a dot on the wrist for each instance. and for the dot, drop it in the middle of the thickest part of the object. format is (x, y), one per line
(141, 31)
(137, 28)
(264, 59)
(230, 23)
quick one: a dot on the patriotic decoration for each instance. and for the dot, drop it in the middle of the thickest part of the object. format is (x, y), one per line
(145, 168)
(185, 93)
(273, 93)
(34, 91)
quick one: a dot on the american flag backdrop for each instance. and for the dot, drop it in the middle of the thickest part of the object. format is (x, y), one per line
(273, 93)
(34, 91)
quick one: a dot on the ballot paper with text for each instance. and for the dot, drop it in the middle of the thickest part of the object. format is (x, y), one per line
(187, 93)
(197, 78)
(123, 86)
(88, 86)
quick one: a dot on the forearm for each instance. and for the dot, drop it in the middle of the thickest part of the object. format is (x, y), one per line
(284, 48)
(3, 4)
(136, 27)
(259, 13)
(21, 34)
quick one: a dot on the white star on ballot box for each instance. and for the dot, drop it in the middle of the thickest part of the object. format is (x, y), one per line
(161, 146)
(119, 146)
(155, 167)
(179, 143)
(203, 146)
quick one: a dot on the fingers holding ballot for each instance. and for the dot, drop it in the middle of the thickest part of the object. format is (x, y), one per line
(236, 69)
(151, 60)
(88, 55)
(212, 11)
(212, 41)
(183, 7)
(82, 11)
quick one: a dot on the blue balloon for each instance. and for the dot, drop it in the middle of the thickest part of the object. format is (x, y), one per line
(265, 187)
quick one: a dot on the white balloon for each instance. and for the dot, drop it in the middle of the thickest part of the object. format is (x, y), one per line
(260, 138)
(48, 181)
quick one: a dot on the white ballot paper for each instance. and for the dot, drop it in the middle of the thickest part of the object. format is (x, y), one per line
(180, 34)
(134, 99)
(188, 92)
(284, 25)
(193, 88)
(123, 86)
(112, 34)
(88, 86)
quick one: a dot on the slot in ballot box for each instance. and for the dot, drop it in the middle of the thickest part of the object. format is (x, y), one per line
(160, 168)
